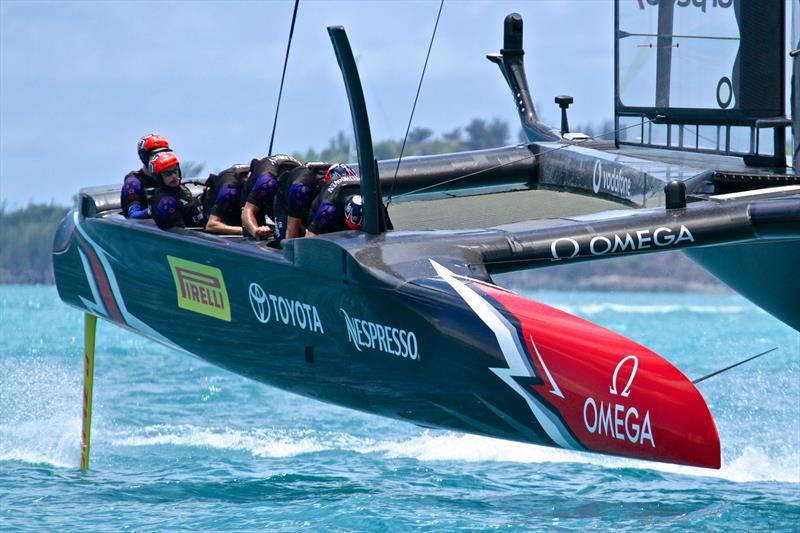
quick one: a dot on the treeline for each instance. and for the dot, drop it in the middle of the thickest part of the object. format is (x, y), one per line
(26, 235)
(26, 243)
(476, 135)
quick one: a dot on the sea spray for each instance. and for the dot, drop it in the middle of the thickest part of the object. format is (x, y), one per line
(181, 442)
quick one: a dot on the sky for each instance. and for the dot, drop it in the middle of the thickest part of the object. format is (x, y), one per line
(80, 82)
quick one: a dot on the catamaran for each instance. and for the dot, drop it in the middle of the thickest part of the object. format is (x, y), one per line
(409, 323)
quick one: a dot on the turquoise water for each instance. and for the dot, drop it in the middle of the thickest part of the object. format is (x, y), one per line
(179, 444)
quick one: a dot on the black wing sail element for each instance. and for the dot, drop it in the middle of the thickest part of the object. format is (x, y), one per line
(706, 78)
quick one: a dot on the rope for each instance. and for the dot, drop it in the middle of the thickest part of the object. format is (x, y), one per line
(414, 107)
(283, 76)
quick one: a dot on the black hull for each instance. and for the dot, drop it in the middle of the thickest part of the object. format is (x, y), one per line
(317, 360)
(358, 321)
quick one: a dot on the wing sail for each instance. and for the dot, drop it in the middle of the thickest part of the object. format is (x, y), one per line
(702, 76)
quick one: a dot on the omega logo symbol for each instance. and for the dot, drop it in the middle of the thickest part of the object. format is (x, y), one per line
(627, 390)
(617, 421)
(258, 299)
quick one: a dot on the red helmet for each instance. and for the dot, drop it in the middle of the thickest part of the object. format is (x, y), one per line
(161, 162)
(337, 171)
(151, 144)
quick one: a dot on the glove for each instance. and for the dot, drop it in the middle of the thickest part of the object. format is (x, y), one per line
(136, 211)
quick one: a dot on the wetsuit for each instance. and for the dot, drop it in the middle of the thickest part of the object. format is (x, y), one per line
(221, 199)
(296, 191)
(327, 211)
(133, 196)
(262, 183)
(176, 207)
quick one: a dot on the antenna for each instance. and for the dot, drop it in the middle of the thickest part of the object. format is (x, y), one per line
(711, 375)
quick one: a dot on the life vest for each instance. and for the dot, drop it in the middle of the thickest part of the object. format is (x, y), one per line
(222, 194)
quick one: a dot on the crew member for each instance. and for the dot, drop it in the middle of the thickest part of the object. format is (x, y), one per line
(172, 204)
(296, 192)
(133, 196)
(221, 200)
(258, 193)
(338, 206)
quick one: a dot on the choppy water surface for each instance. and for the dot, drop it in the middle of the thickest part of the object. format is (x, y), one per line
(181, 444)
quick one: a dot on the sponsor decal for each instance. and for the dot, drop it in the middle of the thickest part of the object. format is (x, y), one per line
(616, 420)
(272, 308)
(200, 288)
(627, 390)
(554, 386)
(662, 237)
(387, 339)
(610, 181)
(702, 4)
(343, 180)
(519, 370)
(107, 300)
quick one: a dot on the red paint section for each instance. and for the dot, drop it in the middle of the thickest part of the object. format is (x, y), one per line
(102, 282)
(619, 397)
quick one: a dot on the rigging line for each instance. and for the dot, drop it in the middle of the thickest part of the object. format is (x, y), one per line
(283, 76)
(501, 165)
(711, 375)
(414, 107)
